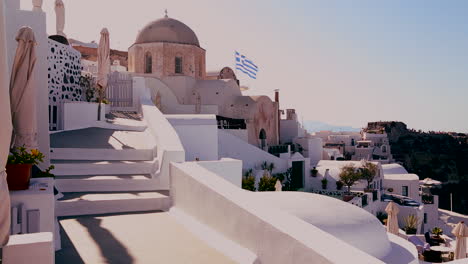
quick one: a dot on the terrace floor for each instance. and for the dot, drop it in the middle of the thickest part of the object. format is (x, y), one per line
(154, 237)
(101, 138)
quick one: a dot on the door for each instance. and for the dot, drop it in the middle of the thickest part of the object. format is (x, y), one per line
(297, 178)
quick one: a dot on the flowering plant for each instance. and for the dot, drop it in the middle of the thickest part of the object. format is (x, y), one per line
(20, 155)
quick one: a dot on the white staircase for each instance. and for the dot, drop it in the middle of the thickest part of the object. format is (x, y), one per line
(103, 171)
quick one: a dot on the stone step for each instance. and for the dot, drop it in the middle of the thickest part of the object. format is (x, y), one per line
(102, 154)
(76, 204)
(104, 167)
(106, 183)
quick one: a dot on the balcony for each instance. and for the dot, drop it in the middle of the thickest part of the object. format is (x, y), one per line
(399, 199)
(427, 199)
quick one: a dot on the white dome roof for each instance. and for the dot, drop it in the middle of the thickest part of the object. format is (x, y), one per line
(393, 168)
(345, 221)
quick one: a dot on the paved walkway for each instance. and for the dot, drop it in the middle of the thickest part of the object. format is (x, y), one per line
(150, 238)
(102, 138)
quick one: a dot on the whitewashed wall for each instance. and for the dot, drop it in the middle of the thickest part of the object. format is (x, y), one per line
(231, 146)
(169, 103)
(229, 169)
(198, 134)
(240, 133)
(396, 185)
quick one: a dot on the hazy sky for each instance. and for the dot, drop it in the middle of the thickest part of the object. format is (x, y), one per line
(341, 62)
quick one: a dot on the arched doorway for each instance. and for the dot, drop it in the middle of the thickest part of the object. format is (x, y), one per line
(262, 136)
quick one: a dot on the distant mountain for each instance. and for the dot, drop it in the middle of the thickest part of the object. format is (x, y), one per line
(315, 126)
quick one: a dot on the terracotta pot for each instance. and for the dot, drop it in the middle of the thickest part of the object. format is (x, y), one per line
(347, 198)
(18, 176)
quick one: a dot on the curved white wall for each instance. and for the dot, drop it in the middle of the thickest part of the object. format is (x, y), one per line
(231, 146)
(273, 235)
(168, 143)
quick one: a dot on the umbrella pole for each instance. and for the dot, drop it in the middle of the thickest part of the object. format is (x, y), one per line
(99, 111)
(99, 102)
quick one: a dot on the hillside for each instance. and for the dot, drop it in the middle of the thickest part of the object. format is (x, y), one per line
(439, 155)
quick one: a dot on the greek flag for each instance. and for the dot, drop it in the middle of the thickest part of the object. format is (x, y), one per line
(246, 66)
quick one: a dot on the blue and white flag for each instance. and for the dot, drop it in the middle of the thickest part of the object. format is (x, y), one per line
(246, 66)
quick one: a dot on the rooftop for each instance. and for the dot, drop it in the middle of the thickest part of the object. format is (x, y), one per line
(404, 176)
(393, 168)
(118, 239)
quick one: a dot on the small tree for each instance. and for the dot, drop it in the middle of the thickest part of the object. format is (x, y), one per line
(266, 183)
(368, 172)
(349, 175)
(248, 181)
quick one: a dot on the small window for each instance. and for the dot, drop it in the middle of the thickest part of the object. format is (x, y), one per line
(404, 190)
(148, 63)
(425, 218)
(178, 65)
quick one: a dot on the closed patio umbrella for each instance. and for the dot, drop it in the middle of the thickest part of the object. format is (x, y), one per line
(103, 59)
(60, 17)
(392, 220)
(5, 133)
(460, 232)
(23, 92)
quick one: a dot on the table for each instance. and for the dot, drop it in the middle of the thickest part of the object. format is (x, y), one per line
(442, 249)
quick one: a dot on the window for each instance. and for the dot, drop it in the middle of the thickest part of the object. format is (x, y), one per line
(425, 218)
(148, 63)
(404, 190)
(178, 64)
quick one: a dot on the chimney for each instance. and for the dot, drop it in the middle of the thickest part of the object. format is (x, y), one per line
(279, 115)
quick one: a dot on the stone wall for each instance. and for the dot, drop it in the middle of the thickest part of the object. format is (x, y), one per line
(163, 59)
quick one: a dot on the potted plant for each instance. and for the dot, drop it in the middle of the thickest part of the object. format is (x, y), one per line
(339, 185)
(45, 174)
(382, 216)
(313, 172)
(19, 165)
(411, 224)
(324, 183)
(437, 231)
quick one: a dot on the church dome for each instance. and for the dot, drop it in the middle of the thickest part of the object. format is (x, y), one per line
(167, 30)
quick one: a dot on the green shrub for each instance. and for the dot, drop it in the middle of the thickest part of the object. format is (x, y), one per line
(248, 183)
(382, 216)
(437, 231)
(267, 183)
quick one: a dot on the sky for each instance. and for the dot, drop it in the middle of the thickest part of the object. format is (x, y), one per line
(340, 62)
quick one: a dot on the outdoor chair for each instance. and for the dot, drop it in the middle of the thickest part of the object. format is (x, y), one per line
(420, 245)
(430, 240)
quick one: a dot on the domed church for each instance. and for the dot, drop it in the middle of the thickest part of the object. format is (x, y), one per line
(168, 54)
(167, 47)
